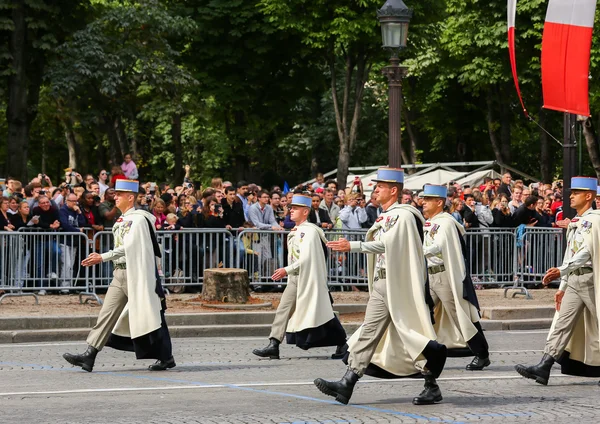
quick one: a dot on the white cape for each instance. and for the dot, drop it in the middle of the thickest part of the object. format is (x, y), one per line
(305, 250)
(142, 312)
(400, 350)
(584, 345)
(450, 333)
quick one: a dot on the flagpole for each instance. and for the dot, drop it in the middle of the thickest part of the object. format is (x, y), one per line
(569, 161)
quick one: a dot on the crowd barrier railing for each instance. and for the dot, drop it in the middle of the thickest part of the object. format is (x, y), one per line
(537, 249)
(185, 254)
(35, 262)
(261, 252)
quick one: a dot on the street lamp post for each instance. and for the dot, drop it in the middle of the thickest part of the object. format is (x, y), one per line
(394, 18)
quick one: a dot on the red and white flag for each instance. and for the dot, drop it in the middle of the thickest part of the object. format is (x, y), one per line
(566, 45)
(511, 13)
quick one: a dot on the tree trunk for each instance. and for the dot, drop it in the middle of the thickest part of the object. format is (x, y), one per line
(122, 137)
(544, 149)
(228, 285)
(505, 116)
(176, 137)
(71, 142)
(348, 132)
(115, 157)
(412, 137)
(16, 113)
(492, 127)
(591, 142)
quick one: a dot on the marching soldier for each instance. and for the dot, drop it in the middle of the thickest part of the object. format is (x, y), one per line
(573, 340)
(133, 309)
(397, 338)
(305, 312)
(456, 310)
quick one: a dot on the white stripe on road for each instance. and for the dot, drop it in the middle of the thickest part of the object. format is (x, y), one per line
(195, 386)
(42, 344)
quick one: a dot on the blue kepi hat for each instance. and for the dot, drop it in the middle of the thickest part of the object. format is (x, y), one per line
(389, 175)
(431, 190)
(598, 191)
(127, 185)
(584, 183)
(301, 200)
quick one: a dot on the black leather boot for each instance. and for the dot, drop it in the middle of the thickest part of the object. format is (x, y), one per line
(431, 393)
(540, 372)
(341, 390)
(161, 365)
(85, 360)
(340, 351)
(271, 351)
(477, 364)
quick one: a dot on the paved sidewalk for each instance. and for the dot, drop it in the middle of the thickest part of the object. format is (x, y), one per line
(63, 305)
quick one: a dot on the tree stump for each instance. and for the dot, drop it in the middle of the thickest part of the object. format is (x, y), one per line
(229, 285)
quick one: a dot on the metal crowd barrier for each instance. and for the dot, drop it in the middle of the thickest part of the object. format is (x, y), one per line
(35, 262)
(491, 255)
(261, 252)
(185, 255)
(346, 269)
(537, 250)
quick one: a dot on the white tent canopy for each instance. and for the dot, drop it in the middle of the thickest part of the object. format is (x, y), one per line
(434, 173)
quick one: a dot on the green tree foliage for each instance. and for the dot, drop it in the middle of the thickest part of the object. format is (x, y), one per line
(268, 90)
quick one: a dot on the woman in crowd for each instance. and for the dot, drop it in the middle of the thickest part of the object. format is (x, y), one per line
(501, 212)
(21, 218)
(217, 183)
(158, 210)
(212, 217)
(455, 210)
(90, 211)
(188, 213)
(251, 198)
(212, 214)
(13, 205)
(5, 223)
(180, 203)
(543, 218)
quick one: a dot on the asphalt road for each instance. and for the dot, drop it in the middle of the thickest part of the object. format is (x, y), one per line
(218, 380)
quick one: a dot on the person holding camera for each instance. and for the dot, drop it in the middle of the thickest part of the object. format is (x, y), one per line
(353, 216)
(501, 212)
(233, 210)
(71, 220)
(108, 209)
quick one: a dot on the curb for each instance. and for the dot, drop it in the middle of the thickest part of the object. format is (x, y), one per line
(80, 334)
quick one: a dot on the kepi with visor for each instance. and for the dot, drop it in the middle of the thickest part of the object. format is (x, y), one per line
(389, 175)
(131, 186)
(301, 200)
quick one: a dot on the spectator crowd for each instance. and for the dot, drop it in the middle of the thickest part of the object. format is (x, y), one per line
(86, 204)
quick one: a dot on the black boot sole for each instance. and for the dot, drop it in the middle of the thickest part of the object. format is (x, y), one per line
(471, 367)
(265, 355)
(435, 400)
(322, 386)
(523, 371)
(164, 368)
(73, 361)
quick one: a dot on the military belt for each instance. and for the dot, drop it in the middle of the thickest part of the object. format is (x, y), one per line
(436, 269)
(379, 274)
(583, 270)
